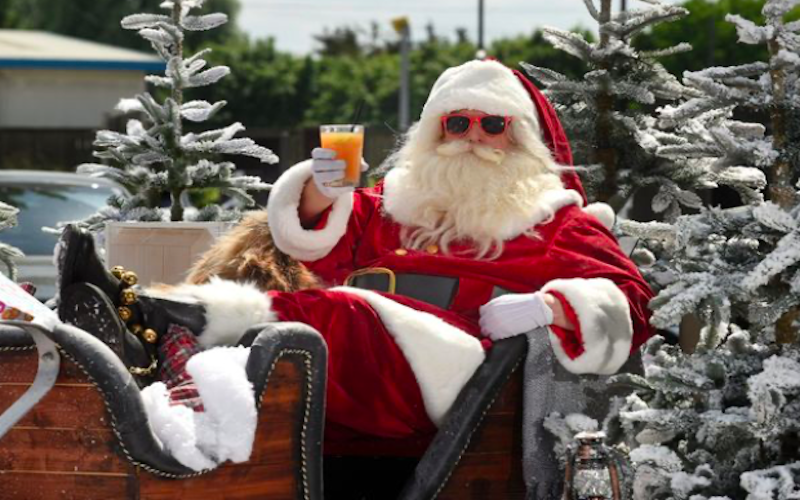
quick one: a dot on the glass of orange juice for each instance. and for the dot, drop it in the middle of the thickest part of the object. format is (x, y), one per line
(348, 142)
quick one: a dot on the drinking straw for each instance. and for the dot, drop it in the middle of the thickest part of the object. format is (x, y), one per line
(357, 114)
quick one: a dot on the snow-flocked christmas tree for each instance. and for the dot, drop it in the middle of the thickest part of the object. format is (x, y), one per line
(8, 253)
(602, 112)
(724, 422)
(156, 157)
(768, 87)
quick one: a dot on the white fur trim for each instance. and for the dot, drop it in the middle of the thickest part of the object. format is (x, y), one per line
(442, 357)
(549, 203)
(401, 203)
(604, 213)
(225, 430)
(284, 219)
(605, 321)
(175, 426)
(486, 86)
(229, 402)
(231, 308)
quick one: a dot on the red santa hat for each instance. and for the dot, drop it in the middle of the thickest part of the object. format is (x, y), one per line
(491, 87)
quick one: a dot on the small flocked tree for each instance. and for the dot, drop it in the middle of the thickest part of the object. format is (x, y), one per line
(602, 112)
(724, 422)
(8, 253)
(156, 157)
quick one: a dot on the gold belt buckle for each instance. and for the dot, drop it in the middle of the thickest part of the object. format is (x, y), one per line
(374, 270)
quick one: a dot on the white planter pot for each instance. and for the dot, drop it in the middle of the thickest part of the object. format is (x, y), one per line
(159, 252)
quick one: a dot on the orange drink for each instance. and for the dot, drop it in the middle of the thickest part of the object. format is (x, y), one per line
(348, 142)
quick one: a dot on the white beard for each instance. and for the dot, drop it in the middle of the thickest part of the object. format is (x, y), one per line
(456, 192)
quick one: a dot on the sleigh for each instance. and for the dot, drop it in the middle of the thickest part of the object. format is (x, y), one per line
(72, 425)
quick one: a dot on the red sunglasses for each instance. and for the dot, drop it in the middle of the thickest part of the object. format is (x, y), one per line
(458, 124)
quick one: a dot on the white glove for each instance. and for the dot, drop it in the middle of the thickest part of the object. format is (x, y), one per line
(513, 314)
(326, 170)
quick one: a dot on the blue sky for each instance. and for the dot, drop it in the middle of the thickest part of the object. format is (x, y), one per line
(294, 22)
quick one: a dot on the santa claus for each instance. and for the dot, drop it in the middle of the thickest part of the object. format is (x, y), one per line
(477, 233)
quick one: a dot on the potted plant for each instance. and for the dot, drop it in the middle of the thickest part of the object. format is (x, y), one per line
(156, 158)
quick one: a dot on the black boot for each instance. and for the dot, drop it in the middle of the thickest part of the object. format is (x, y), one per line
(144, 319)
(78, 262)
(87, 307)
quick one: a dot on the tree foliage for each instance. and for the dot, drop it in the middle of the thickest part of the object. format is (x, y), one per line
(276, 89)
(98, 20)
(714, 41)
(350, 66)
(268, 88)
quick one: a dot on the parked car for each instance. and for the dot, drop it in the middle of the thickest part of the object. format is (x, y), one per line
(44, 199)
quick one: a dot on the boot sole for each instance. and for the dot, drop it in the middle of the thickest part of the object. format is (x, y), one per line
(85, 306)
(69, 260)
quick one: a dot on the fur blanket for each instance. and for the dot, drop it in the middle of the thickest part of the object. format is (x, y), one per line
(247, 253)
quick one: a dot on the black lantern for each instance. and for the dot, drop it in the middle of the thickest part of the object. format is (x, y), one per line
(593, 471)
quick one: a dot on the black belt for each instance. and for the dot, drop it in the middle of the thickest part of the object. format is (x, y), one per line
(435, 290)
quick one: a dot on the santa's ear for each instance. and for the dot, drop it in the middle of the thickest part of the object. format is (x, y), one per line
(604, 213)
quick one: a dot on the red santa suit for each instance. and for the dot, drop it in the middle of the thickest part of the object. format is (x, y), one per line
(396, 364)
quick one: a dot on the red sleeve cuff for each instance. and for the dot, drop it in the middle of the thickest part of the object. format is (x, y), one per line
(571, 340)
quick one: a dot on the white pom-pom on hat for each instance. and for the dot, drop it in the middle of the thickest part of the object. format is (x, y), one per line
(603, 212)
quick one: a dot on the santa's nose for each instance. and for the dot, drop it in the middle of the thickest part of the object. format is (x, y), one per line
(474, 134)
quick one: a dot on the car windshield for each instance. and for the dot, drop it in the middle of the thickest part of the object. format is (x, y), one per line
(45, 206)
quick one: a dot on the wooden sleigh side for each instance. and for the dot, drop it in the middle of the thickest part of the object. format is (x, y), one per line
(87, 439)
(75, 444)
(477, 452)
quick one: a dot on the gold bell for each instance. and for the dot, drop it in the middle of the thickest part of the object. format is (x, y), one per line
(117, 271)
(129, 278)
(137, 329)
(127, 297)
(125, 313)
(150, 335)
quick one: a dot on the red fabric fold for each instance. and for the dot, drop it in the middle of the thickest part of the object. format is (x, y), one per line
(553, 135)
(571, 340)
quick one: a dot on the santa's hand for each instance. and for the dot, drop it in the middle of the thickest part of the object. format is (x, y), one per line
(510, 315)
(327, 172)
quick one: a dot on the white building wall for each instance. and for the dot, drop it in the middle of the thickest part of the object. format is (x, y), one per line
(64, 99)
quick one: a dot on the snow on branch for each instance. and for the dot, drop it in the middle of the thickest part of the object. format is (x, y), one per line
(569, 42)
(748, 31)
(203, 23)
(629, 23)
(140, 21)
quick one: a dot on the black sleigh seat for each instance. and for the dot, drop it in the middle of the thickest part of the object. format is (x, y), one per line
(88, 437)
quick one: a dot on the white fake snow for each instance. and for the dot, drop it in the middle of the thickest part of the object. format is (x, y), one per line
(225, 431)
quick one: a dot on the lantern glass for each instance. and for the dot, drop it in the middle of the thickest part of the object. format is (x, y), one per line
(590, 475)
(592, 483)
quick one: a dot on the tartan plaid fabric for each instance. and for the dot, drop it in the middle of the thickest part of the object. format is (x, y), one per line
(186, 394)
(177, 346)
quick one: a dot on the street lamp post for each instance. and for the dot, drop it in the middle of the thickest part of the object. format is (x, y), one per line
(402, 27)
(480, 25)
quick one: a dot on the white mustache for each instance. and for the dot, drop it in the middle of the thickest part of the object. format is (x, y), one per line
(455, 148)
